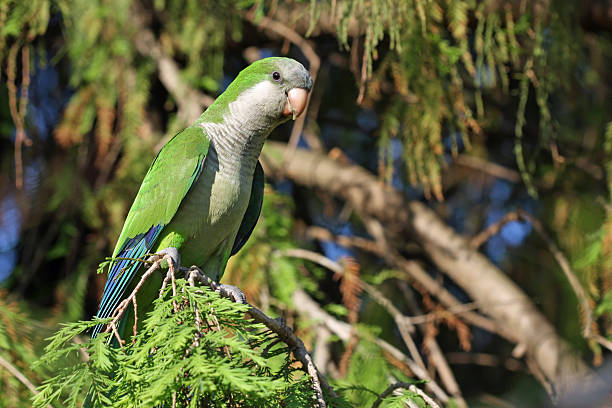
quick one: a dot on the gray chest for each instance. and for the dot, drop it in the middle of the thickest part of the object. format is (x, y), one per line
(221, 197)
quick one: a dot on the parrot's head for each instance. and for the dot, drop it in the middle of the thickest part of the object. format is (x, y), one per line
(271, 90)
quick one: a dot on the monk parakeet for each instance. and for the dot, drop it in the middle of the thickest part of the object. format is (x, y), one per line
(203, 192)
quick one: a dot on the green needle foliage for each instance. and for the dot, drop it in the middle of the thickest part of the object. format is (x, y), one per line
(221, 360)
(195, 349)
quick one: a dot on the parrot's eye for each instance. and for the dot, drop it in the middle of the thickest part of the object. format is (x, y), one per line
(276, 76)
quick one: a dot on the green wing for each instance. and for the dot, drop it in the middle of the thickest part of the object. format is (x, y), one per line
(252, 212)
(171, 175)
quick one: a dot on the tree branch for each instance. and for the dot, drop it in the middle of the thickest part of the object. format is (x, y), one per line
(498, 296)
(284, 333)
(305, 305)
(19, 375)
(583, 300)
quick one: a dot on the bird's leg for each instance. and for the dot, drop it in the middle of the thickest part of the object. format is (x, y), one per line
(170, 255)
(228, 291)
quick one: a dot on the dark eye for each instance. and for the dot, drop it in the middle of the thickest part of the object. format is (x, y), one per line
(276, 76)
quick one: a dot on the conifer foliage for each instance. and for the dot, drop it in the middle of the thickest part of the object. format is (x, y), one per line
(195, 349)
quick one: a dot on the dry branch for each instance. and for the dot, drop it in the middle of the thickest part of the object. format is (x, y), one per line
(498, 296)
(417, 273)
(190, 101)
(18, 375)
(585, 306)
(413, 388)
(305, 305)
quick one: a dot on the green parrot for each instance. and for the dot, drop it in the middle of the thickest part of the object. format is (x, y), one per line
(202, 195)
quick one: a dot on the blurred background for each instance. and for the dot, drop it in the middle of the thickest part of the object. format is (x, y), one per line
(455, 131)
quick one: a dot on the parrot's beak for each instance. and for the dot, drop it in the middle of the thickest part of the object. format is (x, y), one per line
(296, 102)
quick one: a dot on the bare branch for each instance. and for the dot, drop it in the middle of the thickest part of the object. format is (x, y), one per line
(487, 167)
(436, 357)
(479, 239)
(190, 101)
(411, 387)
(583, 300)
(450, 252)
(484, 359)
(416, 272)
(402, 323)
(19, 375)
(305, 305)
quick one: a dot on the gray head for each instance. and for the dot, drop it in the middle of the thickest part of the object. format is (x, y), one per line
(271, 91)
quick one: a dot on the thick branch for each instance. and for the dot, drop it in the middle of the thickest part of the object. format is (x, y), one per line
(497, 294)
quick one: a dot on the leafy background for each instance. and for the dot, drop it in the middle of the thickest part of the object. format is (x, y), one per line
(475, 108)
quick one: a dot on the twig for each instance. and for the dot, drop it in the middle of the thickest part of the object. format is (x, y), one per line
(583, 300)
(18, 108)
(82, 350)
(324, 234)
(17, 374)
(164, 284)
(428, 400)
(122, 307)
(311, 256)
(299, 351)
(305, 305)
(484, 359)
(416, 272)
(487, 167)
(436, 357)
(173, 281)
(493, 229)
(436, 314)
(196, 311)
(403, 324)
(134, 329)
(189, 100)
(364, 76)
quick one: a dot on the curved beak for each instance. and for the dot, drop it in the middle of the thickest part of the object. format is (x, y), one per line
(296, 102)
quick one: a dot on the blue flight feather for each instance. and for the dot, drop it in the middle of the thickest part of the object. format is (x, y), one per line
(123, 270)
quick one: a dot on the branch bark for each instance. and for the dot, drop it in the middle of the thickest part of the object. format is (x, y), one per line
(305, 305)
(497, 294)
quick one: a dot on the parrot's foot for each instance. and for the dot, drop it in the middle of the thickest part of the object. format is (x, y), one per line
(232, 292)
(170, 254)
(229, 291)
